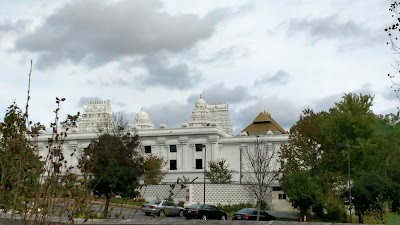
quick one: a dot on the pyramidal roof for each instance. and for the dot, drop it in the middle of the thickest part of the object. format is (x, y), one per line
(264, 123)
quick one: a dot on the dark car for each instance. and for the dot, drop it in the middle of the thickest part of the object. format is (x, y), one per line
(251, 214)
(204, 212)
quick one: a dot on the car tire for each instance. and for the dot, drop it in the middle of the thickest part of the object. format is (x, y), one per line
(223, 217)
(148, 214)
(161, 213)
(180, 213)
(188, 218)
(204, 217)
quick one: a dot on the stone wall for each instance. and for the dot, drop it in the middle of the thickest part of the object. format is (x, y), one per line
(225, 194)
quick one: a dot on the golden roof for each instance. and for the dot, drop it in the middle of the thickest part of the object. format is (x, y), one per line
(263, 123)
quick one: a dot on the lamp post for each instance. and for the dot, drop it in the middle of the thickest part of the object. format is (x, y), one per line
(204, 174)
(345, 145)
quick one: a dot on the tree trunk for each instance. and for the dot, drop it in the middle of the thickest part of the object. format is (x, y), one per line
(258, 210)
(105, 212)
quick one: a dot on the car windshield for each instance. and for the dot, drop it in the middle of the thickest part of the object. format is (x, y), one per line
(196, 206)
(243, 211)
(155, 202)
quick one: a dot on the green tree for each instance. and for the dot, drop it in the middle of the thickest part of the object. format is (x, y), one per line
(218, 172)
(302, 189)
(154, 169)
(313, 144)
(116, 166)
(20, 166)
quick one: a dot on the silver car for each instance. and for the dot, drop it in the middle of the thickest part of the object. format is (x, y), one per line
(161, 208)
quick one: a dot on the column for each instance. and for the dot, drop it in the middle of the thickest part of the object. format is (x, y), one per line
(183, 152)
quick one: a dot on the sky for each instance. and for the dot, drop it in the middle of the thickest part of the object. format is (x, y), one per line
(278, 56)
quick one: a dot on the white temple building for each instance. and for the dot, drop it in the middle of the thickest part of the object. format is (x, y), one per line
(96, 116)
(207, 135)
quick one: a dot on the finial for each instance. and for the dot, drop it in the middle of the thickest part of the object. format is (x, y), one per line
(200, 96)
(142, 109)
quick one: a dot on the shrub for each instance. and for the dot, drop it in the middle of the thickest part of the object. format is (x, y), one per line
(335, 210)
(377, 215)
(181, 203)
(235, 207)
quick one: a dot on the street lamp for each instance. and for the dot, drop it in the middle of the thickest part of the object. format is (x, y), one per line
(204, 174)
(342, 146)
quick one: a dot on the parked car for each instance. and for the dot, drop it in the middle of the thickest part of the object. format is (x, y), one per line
(251, 214)
(161, 208)
(204, 212)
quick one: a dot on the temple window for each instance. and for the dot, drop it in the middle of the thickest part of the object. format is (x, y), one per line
(147, 149)
(199, 164)
(172, 164)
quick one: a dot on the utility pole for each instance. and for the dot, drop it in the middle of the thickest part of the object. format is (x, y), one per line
(204, 174)
(345, 145)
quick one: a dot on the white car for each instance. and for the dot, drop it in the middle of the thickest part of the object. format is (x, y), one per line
(161, 208)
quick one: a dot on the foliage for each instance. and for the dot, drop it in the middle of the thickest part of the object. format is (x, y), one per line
(154, 169)
(181, 203)
(370, 187)
(218, 172)
(261, 170)
(115, 164)
(235, 207)
(377, 215)
(20, 166)
(313, 147)
(335, 209)
(302, 189)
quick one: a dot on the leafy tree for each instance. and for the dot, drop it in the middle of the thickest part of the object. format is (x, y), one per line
(219, 172)
(313, 143)
(20, 166)
(369, 187)
(154, 169)
(115, 164)
(302, 189)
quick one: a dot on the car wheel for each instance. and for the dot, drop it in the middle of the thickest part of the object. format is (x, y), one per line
(181, 213)
(161, 213)
(188, 218)
(148, 214)
(223, 217)
(204, 217)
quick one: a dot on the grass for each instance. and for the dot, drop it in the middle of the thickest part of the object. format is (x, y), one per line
(393, 219)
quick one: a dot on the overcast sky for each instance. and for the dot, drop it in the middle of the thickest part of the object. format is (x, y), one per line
(279, 56)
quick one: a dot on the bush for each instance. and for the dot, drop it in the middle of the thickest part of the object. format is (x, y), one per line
(181, 203)
(379, 214)
(335, 210)
(235, 207)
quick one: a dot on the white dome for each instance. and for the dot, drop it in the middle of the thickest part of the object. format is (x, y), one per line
(142, 116)
(201, 103)
(142, 120)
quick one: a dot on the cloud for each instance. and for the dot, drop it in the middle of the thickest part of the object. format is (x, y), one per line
(220, 93)
(327, 102)
(226, 55)
(392, 92)
(82, 101)
(17, 26)
(278, 78)
(332, 28)
(173, 76)
(173, 113)
(95, 33)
